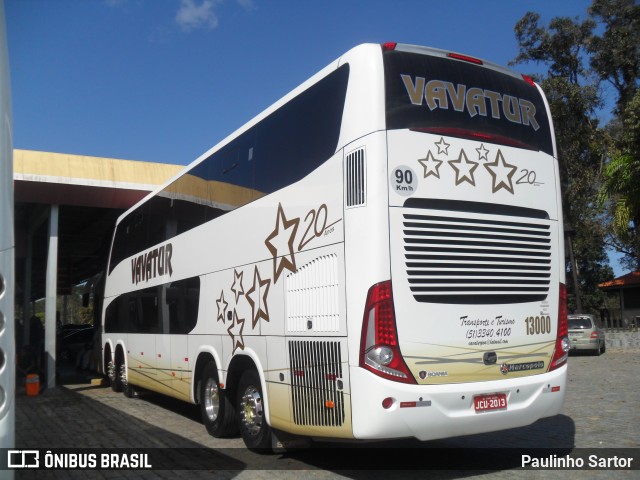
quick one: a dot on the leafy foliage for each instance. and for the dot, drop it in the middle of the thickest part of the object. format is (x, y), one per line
(615, 55)
(574, 99)
(560, 46)
(620, 189)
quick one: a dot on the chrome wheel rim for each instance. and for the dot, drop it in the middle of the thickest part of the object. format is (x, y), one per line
(211, 399)
(251, 412)
(111, 371)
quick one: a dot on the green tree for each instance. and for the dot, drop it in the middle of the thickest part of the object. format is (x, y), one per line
(621, 186)
(615, 58)
(615, 54)
(574, 100)
(560, 46)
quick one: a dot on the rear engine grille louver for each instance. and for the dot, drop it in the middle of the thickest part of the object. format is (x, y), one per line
(316, 371)
(451, 259)
(355, 181)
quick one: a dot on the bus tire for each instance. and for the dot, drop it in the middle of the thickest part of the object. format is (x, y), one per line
(218, 414)
(128, 389)
(254, 429)
(114, 373)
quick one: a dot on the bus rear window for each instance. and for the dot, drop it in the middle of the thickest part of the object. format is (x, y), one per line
(454, 98)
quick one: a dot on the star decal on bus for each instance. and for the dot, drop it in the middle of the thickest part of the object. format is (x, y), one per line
(237, 287)
(235, 332)
(464, 169)
(257, 298)
(280, 243)
(483, 153)
(443, 147)
(501, 173)
(430, 165)
(222, 308)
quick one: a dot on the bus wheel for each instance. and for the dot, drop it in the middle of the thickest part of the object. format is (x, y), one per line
(128, 389)
(254, 429)
(218, 414)
(113, 370)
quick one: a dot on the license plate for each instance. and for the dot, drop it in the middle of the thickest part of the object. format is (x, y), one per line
(487, 403)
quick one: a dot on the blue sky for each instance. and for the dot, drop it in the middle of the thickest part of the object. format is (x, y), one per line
(165, 80)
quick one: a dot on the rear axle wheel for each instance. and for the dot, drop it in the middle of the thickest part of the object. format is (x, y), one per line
(254, 429)
(218, 414)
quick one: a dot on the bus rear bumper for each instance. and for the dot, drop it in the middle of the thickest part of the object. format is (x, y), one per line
(429, 412)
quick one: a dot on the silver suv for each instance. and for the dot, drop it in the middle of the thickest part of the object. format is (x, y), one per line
(585, 333)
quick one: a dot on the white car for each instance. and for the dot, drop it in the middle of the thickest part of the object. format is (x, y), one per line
(585, 333)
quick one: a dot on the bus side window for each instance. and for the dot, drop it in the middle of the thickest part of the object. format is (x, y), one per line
(155, 214)
(174, 305)
(301, 135)
(133, 322)
(149, 303)
(182, 300)
(113, 316)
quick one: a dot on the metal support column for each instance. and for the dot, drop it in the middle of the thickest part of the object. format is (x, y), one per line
(51, 296)
(37, 219)
(26, 291)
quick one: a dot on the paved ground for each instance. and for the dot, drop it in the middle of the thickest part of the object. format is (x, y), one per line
(601, 410)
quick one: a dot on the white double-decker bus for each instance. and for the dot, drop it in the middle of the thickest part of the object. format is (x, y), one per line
(377, 255)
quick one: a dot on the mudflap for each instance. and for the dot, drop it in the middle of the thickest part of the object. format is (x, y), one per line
(282, 442)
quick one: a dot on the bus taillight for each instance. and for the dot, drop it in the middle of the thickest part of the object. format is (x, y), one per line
(561, 352)
(465, 58)
(379, 351)
(529, 80)
(473, 135)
